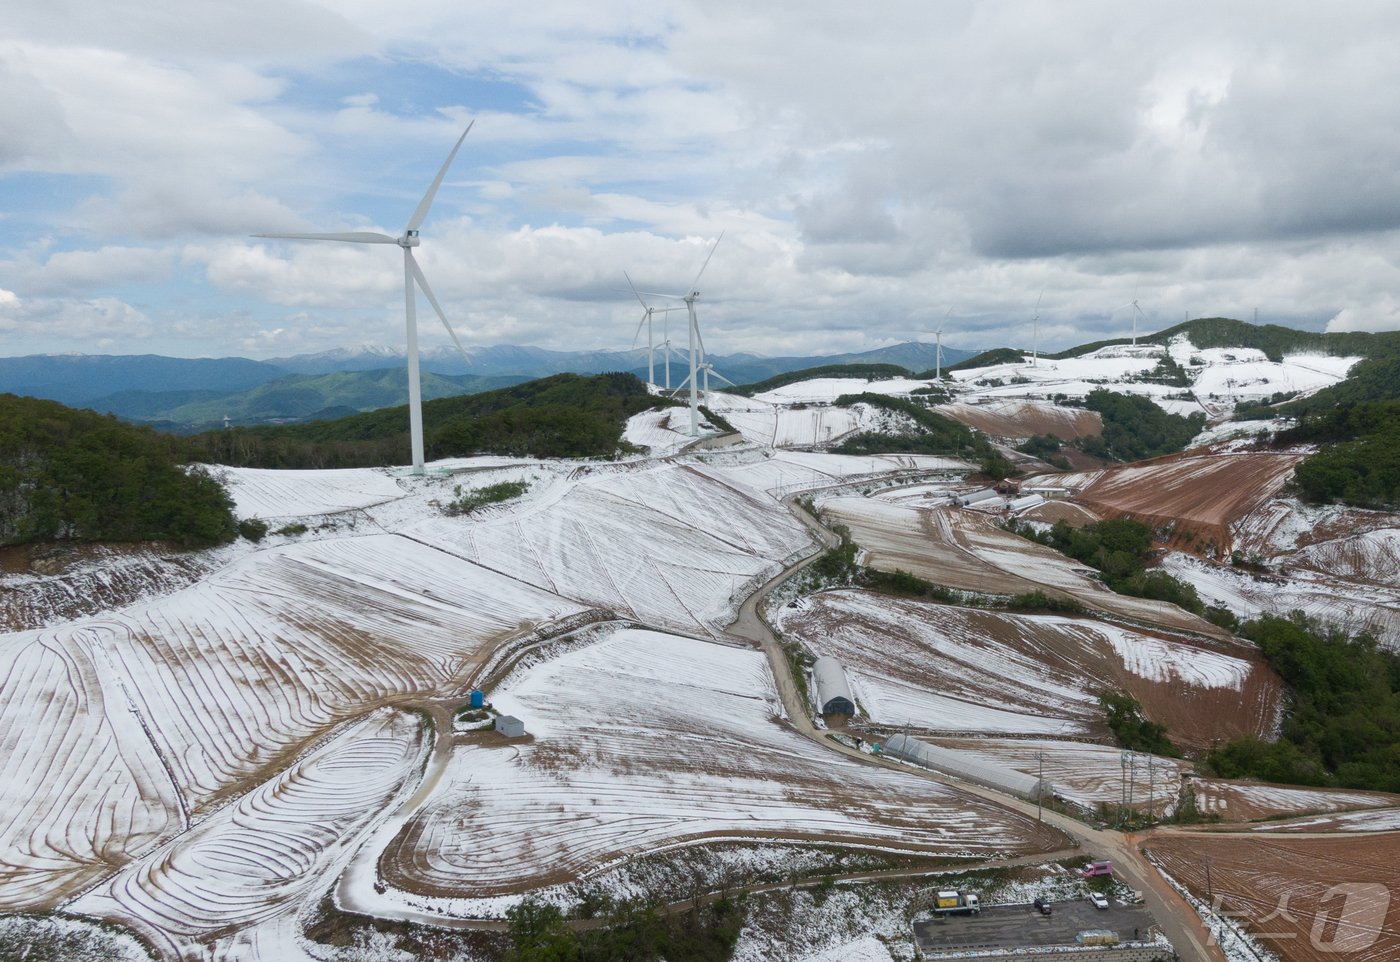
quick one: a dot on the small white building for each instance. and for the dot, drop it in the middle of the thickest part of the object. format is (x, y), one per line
(510, 726)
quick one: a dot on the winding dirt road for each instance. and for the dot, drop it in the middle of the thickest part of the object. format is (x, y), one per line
(1176, 917)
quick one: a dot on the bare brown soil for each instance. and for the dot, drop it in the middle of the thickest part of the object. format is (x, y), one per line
(1024, 419)
(1306, 899)
(1199, 494)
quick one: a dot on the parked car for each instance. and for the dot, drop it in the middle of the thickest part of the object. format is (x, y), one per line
(1042, 906)
(1101, 867)
(1099, 899)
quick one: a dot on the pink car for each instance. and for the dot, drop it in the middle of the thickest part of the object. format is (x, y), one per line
(1104, 867)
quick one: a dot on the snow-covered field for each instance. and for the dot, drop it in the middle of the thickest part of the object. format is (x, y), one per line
(114, 728)
(952, 670)
(1380, 820)
(1353, 605)
(231, 887)
(268, 494)
(199, 745)
(661, 542)
(1238, 801)
(642, 741)
(965, 550)
(827, 389)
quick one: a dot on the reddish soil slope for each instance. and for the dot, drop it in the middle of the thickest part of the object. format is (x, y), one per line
(1199, 493)
(1307, 899)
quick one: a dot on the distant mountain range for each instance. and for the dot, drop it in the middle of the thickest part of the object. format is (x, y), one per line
(192, 394)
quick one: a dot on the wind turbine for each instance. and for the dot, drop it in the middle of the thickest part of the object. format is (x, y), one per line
(412, 275)
(697, 360)
(651, 350)
(1035, 331)
(938, 351)
(1136, 311)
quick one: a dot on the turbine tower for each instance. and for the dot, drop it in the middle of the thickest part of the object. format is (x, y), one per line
(938, 350)
(697, 344)
(648, 311)
(412, 275)
(1136, 311)
(1035, 331)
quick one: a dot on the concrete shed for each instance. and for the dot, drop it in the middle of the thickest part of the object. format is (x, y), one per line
(833, 692)
(510, 726)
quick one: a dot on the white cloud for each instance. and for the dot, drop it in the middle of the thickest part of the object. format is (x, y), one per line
(84, 324)
(871, 171)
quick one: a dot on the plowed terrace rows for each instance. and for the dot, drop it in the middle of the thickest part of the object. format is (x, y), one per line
(1203, 493)
(646, 741)
(954, 670)
(112, 729)
(1306, 899)
(965, 550)
(1023, 419)
(259, 858)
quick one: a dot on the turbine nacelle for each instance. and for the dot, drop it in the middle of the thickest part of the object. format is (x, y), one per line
(409, 239)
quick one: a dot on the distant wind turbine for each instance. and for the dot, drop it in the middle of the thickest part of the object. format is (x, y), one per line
(412, 275)
(697, 344)
(1035, 330)
(1136, 311)
(648, 311)
(938, 350)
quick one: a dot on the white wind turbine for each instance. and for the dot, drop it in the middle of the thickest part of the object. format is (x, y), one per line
(648, 311)
(1035, 331)
(412, 275)
(1136, 311)
(938, 350)
(697, 360)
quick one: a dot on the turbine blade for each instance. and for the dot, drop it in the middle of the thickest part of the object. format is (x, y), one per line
(352, 237)
(643, 321)
(716, 374)
(634, 289)
(428, 293)
(418, 215)
(707, 260)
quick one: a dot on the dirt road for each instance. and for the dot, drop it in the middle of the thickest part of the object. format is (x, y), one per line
(1176, 917)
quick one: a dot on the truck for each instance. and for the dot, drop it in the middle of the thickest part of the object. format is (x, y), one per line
(1097, 937)
(953, 902)
(1101, 867)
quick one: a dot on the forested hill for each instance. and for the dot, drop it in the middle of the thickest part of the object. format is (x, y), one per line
(567, 415)
(72, 474)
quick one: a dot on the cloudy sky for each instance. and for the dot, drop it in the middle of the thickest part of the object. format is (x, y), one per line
(874, 167)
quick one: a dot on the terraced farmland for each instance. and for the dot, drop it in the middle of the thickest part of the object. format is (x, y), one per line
(643, 741)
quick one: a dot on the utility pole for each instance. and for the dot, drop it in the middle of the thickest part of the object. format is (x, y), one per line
(1040, 785)
(1151, 798)
(1132, 780)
